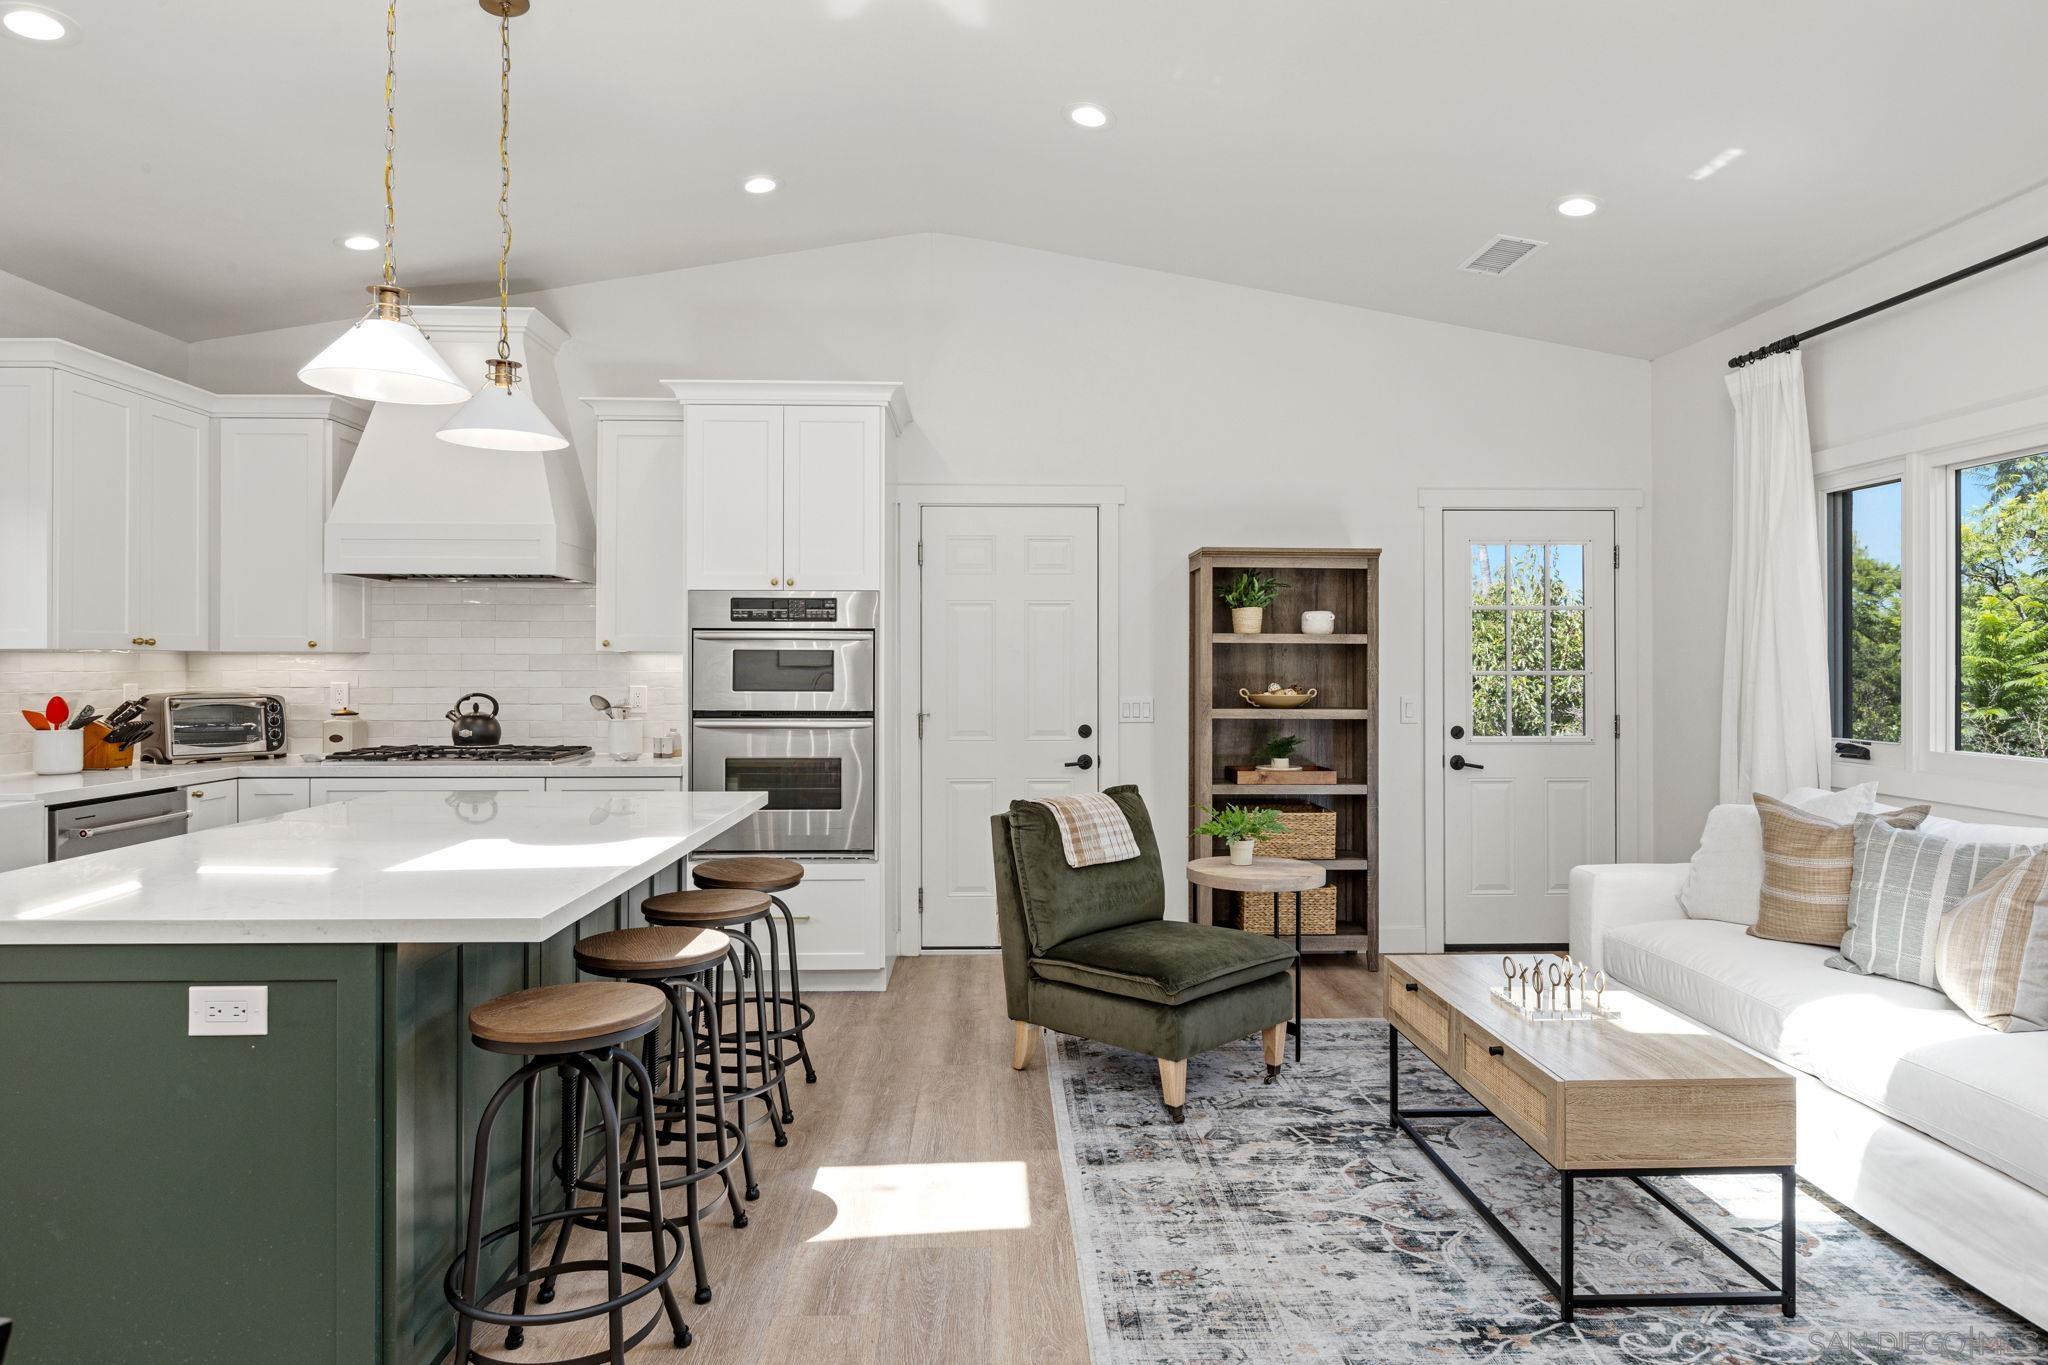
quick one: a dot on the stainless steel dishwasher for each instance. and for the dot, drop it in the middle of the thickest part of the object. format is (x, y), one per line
(116, 822)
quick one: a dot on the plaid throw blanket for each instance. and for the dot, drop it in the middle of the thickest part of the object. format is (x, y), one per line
(1093, 829)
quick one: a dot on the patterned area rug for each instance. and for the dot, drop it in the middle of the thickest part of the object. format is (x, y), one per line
(1289, 1223)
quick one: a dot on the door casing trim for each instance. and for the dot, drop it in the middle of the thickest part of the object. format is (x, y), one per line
(1634, 821)
(901, 702)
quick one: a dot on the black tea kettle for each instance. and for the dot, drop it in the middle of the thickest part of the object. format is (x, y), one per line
(475, 726)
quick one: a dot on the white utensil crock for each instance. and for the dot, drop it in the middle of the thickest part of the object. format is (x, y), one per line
(58, 751)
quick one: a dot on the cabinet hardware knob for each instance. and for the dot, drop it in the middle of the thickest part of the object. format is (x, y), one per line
(312, 644)
(150, 641)
(1410, 986)
(135, 640)
(607, 644)
(198, 792)
(774, 582)
(1495, 1051)
(789, 582)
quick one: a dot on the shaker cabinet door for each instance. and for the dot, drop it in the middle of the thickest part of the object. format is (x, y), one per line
(832, 498)
(733, 504)
(642, 573)
(171, 555)
(96, 509)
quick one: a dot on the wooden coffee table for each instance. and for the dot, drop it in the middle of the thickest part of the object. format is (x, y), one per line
(1645, 1095)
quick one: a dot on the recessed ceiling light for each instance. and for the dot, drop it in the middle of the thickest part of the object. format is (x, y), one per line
(1720, 160)
(1089, 115)
(361, 241)
(1578, 206)
(759, 184)
(35, 23)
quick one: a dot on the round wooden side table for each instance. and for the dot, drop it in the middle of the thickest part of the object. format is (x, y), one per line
(1266, 876)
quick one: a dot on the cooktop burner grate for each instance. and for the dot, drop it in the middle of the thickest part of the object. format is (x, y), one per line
(456, 753)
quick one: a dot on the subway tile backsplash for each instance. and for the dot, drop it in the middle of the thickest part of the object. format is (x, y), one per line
(533, 647)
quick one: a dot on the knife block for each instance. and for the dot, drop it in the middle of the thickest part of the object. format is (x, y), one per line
(101, 755)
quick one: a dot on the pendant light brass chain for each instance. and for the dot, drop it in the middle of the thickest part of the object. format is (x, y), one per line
(504, 175)
(390, 138)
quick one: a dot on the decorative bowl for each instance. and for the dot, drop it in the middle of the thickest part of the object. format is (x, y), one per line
(1278, 699)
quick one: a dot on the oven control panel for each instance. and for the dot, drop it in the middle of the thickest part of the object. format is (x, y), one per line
(748, 610)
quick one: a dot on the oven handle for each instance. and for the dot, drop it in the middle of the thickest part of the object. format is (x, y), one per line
(94, 831)
(762, 637)
(782, 724)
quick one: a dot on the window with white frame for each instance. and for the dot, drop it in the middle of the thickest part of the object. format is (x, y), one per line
(2001, 607)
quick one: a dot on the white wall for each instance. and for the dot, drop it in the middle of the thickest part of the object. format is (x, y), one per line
(1231, 416)
(29, 310)
(1971, 347)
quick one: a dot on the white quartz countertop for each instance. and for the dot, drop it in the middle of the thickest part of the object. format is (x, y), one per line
(147, 777)
(398, 867)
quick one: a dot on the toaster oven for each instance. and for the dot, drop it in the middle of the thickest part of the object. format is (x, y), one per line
(192, 727)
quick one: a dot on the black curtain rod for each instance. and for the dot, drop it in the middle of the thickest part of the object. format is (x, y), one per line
(1791, 343)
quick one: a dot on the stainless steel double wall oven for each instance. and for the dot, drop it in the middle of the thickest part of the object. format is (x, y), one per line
(782, 701)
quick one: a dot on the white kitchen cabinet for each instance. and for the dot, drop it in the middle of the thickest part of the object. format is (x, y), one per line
(260, 797)
(106, 503)
(642, 568)
(838, 913)
(325, 789)
(615, 784)
(212, 805)
(784, 483)
(280, 461)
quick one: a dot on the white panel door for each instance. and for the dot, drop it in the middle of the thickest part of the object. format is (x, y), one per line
(641, 568)
(1528, 706)
(273, 506)
(96, 438)
(733, 504)
(832, 498)
(1008, 691)
(172, 558)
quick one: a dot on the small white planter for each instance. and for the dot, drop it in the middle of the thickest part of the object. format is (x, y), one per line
(1241, 851)
(1279, 765)
(1247, 620)
(57, 751)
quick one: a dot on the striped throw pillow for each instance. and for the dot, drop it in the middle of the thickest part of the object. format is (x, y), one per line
(1904, 881)
(1808, 860)
(1993, 954)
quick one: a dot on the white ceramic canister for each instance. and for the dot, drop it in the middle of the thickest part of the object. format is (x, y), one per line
(1318, 622)
(57, 751)
(625, 734)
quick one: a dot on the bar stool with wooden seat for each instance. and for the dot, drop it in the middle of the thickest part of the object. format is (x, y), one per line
(764, 1080)
(677, 962)
(579, 1028)
(771, 875)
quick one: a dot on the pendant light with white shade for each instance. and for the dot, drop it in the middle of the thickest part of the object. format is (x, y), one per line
(502, 416)
(385, 357)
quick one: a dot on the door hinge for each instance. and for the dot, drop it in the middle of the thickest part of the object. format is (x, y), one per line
(1617, 727)
(920, 900)
(1617, 557)
(920, 554)
(922, 716)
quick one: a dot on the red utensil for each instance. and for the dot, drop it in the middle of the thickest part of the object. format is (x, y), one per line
(36, 720)
(57, 712)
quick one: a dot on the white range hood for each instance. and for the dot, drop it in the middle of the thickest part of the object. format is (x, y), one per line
(413, 506)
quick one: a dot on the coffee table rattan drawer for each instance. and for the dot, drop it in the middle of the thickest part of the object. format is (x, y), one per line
(1507, 1084)
(1424, 1017)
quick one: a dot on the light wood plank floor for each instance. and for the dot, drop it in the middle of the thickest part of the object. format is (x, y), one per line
(916, 1077)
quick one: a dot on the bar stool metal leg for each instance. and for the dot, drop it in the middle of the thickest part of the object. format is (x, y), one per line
(796, 992)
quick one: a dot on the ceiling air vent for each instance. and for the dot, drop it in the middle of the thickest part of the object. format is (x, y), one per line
(1497, 255)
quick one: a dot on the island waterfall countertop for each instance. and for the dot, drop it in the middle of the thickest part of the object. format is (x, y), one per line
(401, 867)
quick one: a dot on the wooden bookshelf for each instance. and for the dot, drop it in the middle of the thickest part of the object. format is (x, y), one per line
(1340, 729)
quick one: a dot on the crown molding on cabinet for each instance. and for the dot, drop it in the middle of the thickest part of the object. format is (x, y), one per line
(888, 394)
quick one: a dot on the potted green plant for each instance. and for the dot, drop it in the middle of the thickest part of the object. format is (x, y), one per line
(1278, 751)
(1241, 828)
(1248, 595)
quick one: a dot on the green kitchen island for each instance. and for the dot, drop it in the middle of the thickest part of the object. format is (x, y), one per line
(293, 1195)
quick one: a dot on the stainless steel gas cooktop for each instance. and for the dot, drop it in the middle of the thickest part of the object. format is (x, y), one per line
(456, 753)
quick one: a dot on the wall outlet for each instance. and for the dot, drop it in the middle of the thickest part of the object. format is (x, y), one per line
(131, 691)
(636, 698)
(1137, 709)
(219, 1011)
(337, 696)
(1411, 711)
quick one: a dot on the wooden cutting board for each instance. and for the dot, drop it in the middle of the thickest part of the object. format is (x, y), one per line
(1300, 774)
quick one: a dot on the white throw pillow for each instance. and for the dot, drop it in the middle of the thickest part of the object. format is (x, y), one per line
(1726, 879)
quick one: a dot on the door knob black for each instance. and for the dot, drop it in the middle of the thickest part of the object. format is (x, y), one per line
(1457, 732)
(1458, 764)
(1085, 731)
(1084, 762)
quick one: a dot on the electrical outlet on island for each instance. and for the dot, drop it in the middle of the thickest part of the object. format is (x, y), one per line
(226, 1011)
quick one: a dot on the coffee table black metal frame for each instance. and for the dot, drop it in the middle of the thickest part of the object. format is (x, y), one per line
(1781, 1293)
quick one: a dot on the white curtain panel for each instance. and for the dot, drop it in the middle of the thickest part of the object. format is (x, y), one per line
(1774, 680)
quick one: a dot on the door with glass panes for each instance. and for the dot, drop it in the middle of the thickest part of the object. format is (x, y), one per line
(1529, 715)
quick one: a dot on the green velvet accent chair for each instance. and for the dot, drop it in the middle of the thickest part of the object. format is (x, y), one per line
(1089, 951)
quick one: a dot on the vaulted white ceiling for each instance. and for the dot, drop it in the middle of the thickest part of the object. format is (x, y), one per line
(190, 165)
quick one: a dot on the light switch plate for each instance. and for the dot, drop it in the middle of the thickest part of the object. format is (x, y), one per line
(1135, 709)
(225, 1011)
(1411, 711)
(636, 697)
(131, 691)
(337, 696)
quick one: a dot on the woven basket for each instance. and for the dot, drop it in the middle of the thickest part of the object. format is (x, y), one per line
(1307, 831)
(1318, 912)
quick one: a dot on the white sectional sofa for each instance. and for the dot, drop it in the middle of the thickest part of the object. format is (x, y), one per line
(1926, 1123)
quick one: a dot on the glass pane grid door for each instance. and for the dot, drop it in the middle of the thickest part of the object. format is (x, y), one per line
(1528, 628)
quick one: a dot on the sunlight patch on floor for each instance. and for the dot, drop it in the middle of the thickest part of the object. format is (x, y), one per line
(929, 1197)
